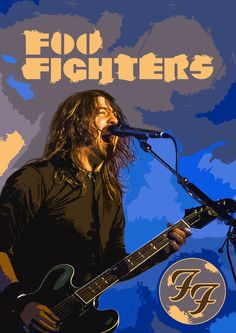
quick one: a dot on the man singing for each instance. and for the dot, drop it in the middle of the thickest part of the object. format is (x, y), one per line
(66, 207)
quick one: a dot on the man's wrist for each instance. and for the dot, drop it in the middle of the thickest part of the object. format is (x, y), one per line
(14, 297)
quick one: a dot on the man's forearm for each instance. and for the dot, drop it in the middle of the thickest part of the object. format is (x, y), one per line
(7, 274)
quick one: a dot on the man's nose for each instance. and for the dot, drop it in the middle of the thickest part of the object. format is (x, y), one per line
(112, 119)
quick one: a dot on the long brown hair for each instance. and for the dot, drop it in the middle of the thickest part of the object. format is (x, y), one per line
(70, 128)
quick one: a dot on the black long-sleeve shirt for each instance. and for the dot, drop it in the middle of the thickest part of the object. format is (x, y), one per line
(46, 223)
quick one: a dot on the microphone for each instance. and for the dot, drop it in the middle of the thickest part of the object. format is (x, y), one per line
(139, 133)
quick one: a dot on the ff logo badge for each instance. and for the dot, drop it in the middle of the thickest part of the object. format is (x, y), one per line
(192, 291)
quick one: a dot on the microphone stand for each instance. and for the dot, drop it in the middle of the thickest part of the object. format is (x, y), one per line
(199, 196)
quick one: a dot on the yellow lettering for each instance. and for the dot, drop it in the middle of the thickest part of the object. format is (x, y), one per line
(150, 67)
(201, 68)
(125, 67)
(34, 40)
(56, 43)
(34, 66)
(74, 70)
(174, 68)
(89, 44)
(55, 70)
(100, 69)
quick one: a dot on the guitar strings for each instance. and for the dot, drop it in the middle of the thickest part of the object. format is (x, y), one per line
(63, 308)
(63, 305)
(109, 278)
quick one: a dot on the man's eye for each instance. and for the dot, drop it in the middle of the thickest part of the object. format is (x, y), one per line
(102, 112)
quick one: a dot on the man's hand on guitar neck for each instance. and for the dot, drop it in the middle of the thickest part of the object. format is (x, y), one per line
(177, 237)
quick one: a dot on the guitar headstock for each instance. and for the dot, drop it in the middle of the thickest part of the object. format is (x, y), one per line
(199, 217)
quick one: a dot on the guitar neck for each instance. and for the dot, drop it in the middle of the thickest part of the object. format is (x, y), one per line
(99, 284)
(197, 217)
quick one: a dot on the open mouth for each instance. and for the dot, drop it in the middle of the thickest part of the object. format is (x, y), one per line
(108, 137)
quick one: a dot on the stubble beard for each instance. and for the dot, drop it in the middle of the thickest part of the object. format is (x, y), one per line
(105, 151)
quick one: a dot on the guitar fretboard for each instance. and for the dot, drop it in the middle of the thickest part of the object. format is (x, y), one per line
(114, 274)
(90, 291)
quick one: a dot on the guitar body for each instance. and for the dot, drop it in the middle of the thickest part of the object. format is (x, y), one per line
(55, 291)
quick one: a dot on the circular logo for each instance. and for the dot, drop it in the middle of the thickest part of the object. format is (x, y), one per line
(192, 291)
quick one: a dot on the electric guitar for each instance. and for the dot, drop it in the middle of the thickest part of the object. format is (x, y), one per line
(76, 306)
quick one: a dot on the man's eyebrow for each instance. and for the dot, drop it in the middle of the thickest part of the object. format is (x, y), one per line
(102, 107)
(107, 109)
